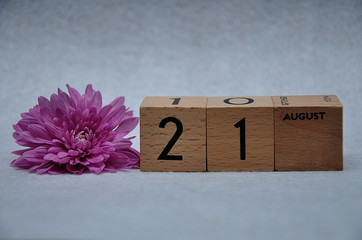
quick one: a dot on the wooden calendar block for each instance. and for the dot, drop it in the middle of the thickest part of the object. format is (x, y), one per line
(308, 133)
(173, 134)
(240, 134)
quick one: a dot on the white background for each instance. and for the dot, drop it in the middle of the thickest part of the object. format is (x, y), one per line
(185, 48)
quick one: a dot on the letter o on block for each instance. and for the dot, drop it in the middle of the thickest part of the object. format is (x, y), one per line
(173, 134)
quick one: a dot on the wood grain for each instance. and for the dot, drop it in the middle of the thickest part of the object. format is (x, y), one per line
(223, 138)
(313, 141)
(191, 145)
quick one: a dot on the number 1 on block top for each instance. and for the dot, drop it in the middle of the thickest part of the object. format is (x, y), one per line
(173, 134)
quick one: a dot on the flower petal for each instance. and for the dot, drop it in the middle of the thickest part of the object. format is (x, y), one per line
(44, 102)
(95, 158)
(127, 125)
(77, 169)
(34, 156)
(114, 117)
(109, 168)
(96, 150)
(134, 158)
(118, 160)
(73, 153)
(62, 154)
(25, 139)
(54, 158)
(38, 131)
(46, 115)
(124, 144)
(56, 103)
(74, 95)
(118, 102)
(44, 168)
(21, 163)
(97, 100)
(89, 91)
(52, 129)
(21, 152)
(96, 167)
(104, 111)
(55, 149)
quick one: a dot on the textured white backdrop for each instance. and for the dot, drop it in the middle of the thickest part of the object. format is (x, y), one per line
(205, 48)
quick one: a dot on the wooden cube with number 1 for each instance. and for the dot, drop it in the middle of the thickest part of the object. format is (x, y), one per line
(240, 134)
(173, 134)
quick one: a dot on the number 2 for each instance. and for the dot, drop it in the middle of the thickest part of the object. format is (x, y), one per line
(179, 129)
(241, 125)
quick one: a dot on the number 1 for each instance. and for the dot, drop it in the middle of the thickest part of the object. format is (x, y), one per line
(241, 125)
(175, 100)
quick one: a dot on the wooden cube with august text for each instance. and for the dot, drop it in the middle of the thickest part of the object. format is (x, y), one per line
(173, 134)
(240, 134)
(308, 133)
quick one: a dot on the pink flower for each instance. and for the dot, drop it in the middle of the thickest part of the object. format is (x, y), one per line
(74, 133)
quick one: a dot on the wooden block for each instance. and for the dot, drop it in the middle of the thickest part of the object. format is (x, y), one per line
(173, 134)
(308, 133)
(240, 134)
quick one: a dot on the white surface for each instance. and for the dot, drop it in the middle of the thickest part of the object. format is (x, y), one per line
(205, 48)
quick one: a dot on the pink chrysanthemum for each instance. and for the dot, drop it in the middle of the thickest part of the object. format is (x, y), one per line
(74, 133)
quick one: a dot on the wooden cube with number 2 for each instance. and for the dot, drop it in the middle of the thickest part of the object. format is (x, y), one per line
(173, 134)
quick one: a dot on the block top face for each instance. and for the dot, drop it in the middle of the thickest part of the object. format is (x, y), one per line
(237, 102)
(174, 102)
(307, 101)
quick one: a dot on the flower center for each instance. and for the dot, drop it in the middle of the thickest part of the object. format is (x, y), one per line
(82, 136)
